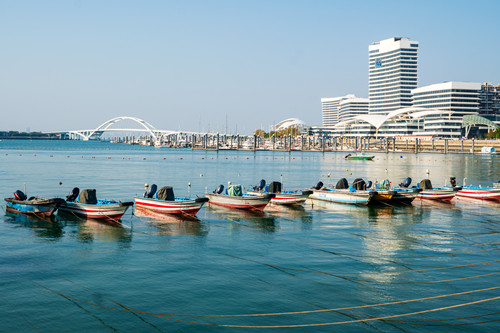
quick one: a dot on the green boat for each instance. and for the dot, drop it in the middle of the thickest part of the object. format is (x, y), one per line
(359, 157)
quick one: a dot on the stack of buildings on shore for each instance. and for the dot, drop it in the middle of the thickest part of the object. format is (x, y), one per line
(397, 107)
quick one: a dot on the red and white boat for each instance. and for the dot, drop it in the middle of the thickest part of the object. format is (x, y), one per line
(236, 199)
(438, 194)
(90, 208)
(480, 193)
(177, 206)
(164, 202)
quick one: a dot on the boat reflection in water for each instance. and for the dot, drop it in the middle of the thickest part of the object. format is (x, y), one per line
(250, 218)
(170, 224)
(92, 230)
(43, 227)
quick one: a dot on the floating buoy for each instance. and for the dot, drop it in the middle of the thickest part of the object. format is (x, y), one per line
(201, 175)
(109, 158)
(180, 158)
(20, 154)
(34, 155)
(60, 183)
(49, 156)
(164, 158)
(203, 158)
(142, 158)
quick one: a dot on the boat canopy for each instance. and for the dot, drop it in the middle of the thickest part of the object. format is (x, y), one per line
(88, 196)
(234, 191)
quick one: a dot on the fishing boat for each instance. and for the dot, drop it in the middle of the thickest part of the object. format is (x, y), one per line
(437, 194)
(40, 207)
(234, 197)
(86, 205)
(287, 198)
(342, 193)
(359, 157)
(444, 194)
(480, 193)
(166, 203)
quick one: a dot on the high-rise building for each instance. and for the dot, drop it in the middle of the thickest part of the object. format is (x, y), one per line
(392, 74)
(456, 99)
(489, 102)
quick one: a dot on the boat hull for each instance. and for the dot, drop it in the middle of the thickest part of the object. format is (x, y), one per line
(436, 195)
(249, 202)
(189, 207)
(366, 158)
(37, 207)
(343, 196)
(288, 199)
(491, 194)
(111, 211)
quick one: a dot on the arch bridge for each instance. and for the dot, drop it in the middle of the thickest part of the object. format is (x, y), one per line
(95, 134)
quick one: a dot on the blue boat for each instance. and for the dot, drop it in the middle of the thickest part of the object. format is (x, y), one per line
(33, 206)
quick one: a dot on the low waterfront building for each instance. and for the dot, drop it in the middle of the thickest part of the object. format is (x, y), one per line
(453, 99)
(351, 107)
(342, 108)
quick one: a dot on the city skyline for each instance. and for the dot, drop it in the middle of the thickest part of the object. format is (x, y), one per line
(194, 65)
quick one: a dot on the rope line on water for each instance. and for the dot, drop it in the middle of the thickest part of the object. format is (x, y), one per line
(409, 257)
(491, 262)
(130, 309)
(167, 316)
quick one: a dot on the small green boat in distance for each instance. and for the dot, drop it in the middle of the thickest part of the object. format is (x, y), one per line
(359, 157)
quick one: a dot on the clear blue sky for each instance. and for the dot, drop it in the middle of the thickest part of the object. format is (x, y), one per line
(177, 64)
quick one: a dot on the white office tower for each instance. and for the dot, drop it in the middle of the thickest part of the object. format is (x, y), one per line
(330, 108)
(351, 107)
(393, 74)
(453, 99)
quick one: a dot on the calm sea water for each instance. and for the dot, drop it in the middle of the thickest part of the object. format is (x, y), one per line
(64, 274)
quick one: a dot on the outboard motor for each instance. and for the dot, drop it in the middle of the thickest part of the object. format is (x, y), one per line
(406, 182)
(219, 189)
(261, 185)
(73, 194)
(150, 192)
(369, 184)
(318, 186)
(453, 181)
(359, 184)
(19, 195)
(342, 184)
(346, 156)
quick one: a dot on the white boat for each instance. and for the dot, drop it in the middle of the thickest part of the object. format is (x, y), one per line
(288, 198)
(234, 198)
(345, 196)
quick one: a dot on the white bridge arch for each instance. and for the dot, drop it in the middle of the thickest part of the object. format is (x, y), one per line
(106, 127)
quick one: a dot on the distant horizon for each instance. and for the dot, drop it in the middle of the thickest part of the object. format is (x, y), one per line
(197, 66)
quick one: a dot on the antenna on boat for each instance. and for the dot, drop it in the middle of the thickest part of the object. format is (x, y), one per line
(282, 186)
